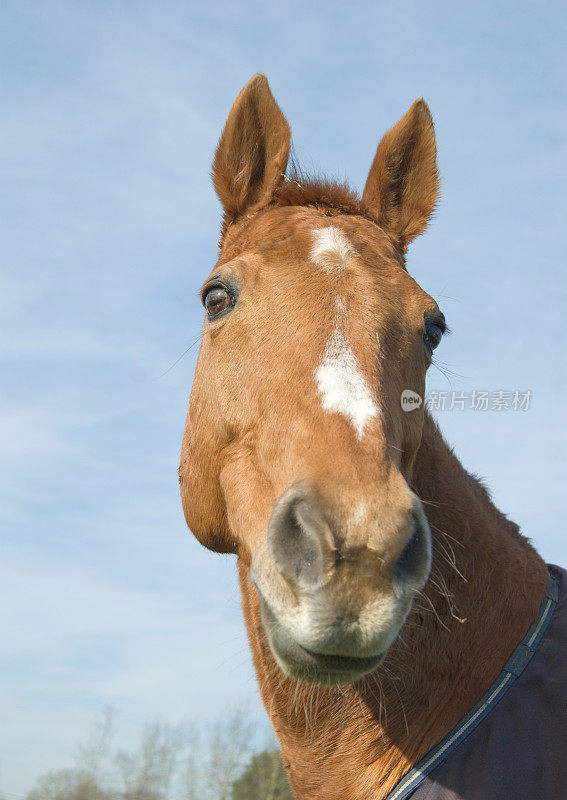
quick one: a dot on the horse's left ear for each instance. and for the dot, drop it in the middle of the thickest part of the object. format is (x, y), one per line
(253, 150)
(403, 184)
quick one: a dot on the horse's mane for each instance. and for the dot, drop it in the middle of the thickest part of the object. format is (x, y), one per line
(298, 189)
(327, 195)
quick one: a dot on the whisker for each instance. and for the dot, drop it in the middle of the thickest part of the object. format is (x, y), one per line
(447, 535)
(177, 360)
(434, 610)
(451, 561)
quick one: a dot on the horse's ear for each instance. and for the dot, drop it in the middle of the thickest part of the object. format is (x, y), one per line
(253, 150)
(403, 184)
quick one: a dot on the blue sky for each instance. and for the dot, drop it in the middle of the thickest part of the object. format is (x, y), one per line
(110, 115)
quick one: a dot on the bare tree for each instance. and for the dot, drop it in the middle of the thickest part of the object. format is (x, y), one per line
(207, 764)
(193, 772)
(94, 754)
(229, 746)
(86, 780)
(147, 772)
(68, 784)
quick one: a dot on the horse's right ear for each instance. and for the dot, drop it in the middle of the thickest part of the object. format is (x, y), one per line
(253, 150)
(403, 184)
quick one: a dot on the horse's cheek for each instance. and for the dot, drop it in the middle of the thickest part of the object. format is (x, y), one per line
(201, 494)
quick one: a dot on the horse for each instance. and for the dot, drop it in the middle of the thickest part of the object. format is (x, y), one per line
(392, 610)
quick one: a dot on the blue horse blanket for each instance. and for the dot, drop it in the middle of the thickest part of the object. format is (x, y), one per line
(513, 744)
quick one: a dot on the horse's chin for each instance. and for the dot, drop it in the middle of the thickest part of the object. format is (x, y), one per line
(324, 669)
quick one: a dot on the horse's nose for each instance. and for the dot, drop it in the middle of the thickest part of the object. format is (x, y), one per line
(303, 548)
(300, 540)
(414, 562)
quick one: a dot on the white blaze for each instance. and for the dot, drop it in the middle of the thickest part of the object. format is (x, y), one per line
(331, 248)
(359, 514)
(342, 386)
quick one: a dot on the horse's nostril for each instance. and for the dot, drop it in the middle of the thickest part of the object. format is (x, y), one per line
(413, 564)
(299, 538)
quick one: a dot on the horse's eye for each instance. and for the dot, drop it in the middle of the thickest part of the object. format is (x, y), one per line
(216, 300)
(432, 336)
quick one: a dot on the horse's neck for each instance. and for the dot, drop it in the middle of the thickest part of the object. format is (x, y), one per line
(486, 585)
